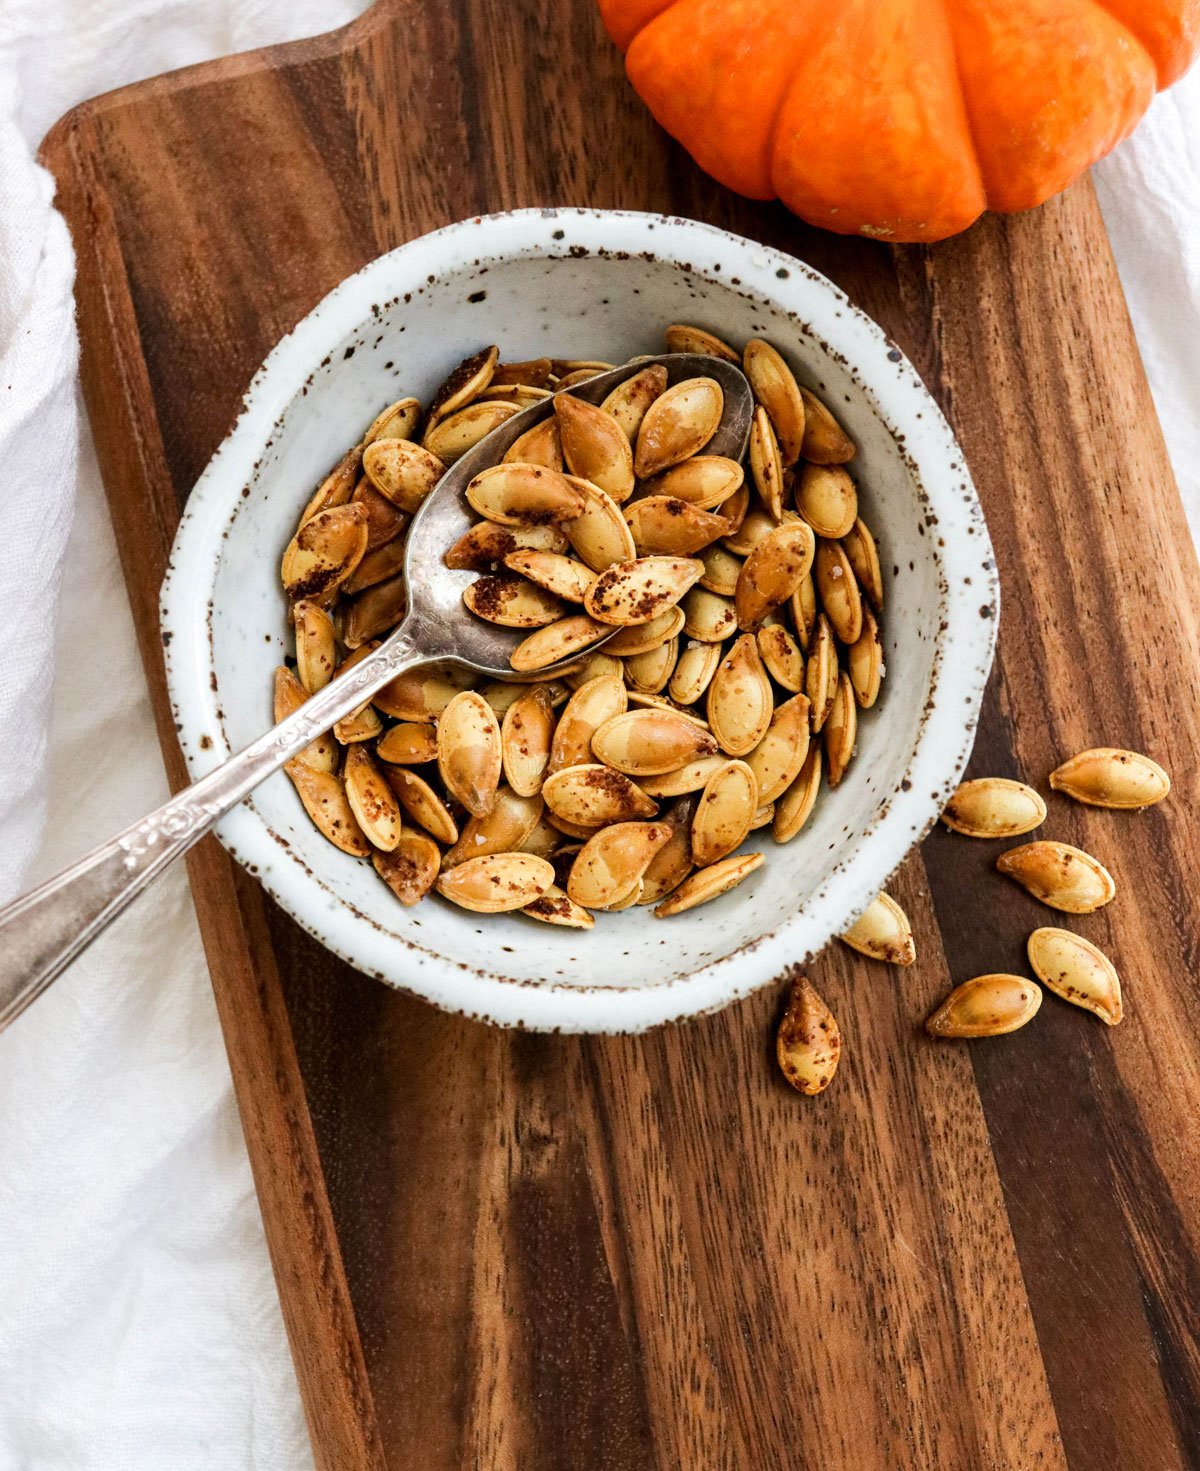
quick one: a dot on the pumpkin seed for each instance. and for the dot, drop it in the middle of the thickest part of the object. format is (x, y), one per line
(763, 817)
(496, 883)
(994, 807)
(362, 724)
(864, 661)
(486, 545)
(756, 524)
(371, 800)
(1063, 877)
(450, 438)
(794, 808)
(507, 828)
(518, 395)
(593, 795)
(578, 376)
(385, 523)
(649, 742)
(421, 694)
(681, 338)
(641, 638)
(820, 678)
(735, 508)
(541, 445)
(595, 446)
(691, 777)
(598, 700)
(664, 526)
(1108, 777)
(673, 861)
(600, 534)
(636, 591)
(827, 499)
(709, 883)
(375, 612)
(337, 487)
(468, 380)
(839, 592)
(469, 752)
(325, 801)
(627, 901)
(1076, 970)
(841, 730)
(883, 932)
(988, 1006)
(776, 389)
(422, 803)
(779, 757)
(708, 617)
(703, 481)
(532, 372)
(825, 441)
(863, 556)
(411, 743)
(562, 576)
(402, 471)
(324, 552)
(570, 829)
(524, 495)
(556, 906)
(398, 421)
(725, 811)
(379, 565)
(592, 666)
(628, 402)
(772, 572)
(678, 424)
(525, 740)
(648, 673)
(721, 571)
(556, 641)
(588, 708)
(645, 701)
(694, 671)
(740, 702)
(781, 654)
(766, 464)
(611, 863)
(322, 752)
(803, 604)
(512, 602)
(411, 868)
(543, 839)
(808, 1043)
(316, 645)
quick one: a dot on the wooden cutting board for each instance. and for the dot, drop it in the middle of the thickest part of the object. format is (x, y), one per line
(509, 1251)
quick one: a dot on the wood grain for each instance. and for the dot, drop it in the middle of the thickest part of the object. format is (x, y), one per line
(508, 1251)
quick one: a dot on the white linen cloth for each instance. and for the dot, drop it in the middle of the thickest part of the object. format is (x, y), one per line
(139, 1326)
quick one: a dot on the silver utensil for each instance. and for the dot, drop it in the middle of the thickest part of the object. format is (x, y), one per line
(43, 931)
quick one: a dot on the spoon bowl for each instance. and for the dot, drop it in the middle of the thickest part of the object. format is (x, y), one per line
(438, 621)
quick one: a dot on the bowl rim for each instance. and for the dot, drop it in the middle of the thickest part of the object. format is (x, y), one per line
(968, 592)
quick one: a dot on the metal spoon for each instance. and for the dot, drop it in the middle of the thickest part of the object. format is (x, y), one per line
(42, 932)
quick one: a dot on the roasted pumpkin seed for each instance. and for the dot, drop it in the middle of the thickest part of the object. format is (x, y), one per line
(709, 883)
(766, 463)
(794, 808)
(708, 616)
(556, 906)
(337, 487)
(316, 645)
(721, 571)
(641, 638)
(379, 565)
(556, 641)
(469, 752)
(486, 545)
(724, 813)
(421, 694)
(524, 495)
(525, 738)
(704, 481)
(694, 671)
(988, 1006)
(673, 861)
(628, 402)
(450, 438)
(864, 662)
(593, 795)
(595, 446)
(468, 380)
(839, 592)
(512, 602)
(994, 807)
(402, 471)
(322, 752)
(863, 556)
(639, 590)
(371, 800)
(772, 572)
(611, 863)
(678, 424)
(507, 828)
(883, 932)
(679, 337)
(691, 777)
(825, 441)
(664, 526)
(650, 742)
(820, 678)
(778, 758)
(648, 673)
(781, 654)
(422, 803)
(1108, 777)
(411, 868)
(1063, 877)
(840, 731)
(375, 611)
(776, 389)
(827, 499)
(541, 445)
(496, 883)
(325, 801)
(408, 744)
(594, 703)
(599, 534)
(808, 1044)
(562, 576)
(740, 702)
(324, 552)
(1078, 971)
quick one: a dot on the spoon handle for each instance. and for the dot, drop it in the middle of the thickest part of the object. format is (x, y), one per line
(43, 931)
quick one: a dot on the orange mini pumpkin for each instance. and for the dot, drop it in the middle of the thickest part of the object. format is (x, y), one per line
(901, 119)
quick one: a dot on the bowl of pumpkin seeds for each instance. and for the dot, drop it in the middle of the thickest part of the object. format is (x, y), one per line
(775, 659)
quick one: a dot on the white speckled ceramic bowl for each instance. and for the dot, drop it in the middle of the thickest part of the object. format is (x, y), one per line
(564, 283)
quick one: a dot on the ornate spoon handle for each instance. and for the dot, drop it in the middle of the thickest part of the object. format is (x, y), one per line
(43, 931)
